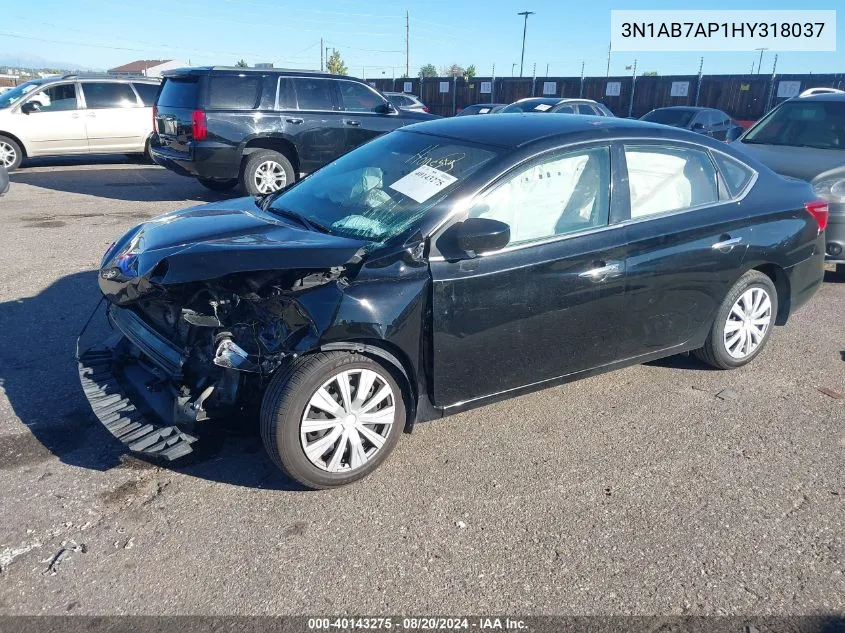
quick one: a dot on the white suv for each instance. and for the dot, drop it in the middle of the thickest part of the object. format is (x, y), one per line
(75, 114)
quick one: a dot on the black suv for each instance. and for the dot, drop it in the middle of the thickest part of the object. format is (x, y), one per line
(260, 128)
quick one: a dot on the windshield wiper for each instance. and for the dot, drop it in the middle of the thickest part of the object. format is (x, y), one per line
(311, 225)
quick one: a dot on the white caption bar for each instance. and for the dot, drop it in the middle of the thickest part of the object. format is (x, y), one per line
(723, 30)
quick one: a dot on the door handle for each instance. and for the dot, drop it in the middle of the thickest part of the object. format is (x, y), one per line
(727, 245)
(354, 123)
(602, 272)
(294, 121)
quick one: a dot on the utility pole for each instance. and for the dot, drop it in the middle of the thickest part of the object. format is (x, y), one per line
(524, 30)
(760, 63)
(493, 84)
(321, 54)
(513, 69)
(327, 58)
(407, 43)
(547, 69)
(772, 85)
(534, 79)
(581, 89)
(633, 87)
(609, 47)
(698, 85)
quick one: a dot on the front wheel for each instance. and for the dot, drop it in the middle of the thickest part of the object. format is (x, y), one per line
(743, 324)
(11, 153)
(329, 419)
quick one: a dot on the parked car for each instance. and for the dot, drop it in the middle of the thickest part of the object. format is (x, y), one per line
(709, 121)
(804, 138)
(439, 268)
(262, 128)
(405, 101)
(821, 91)
(76, 114)
(558, 105)
(481, 108)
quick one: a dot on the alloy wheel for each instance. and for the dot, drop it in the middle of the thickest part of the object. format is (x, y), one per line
(347, 420)
(748, 322)
(8, 155)
(269, 177)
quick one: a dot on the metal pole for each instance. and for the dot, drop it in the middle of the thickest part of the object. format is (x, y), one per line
(534, 80)
(408, 43)
(609, 47)
(581, 89)
(327, 58)
(321, 54)
(698, 86)
(547, 69)
(493, 84)
(454, 95)
(513, 69)
(524, 30)
(633, 87)
(760, 63)
(771, 86)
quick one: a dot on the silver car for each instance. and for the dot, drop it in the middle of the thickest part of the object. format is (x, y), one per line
(405, 101)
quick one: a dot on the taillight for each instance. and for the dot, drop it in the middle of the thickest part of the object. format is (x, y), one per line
(199, 129)
(155, 115)
(818, 209)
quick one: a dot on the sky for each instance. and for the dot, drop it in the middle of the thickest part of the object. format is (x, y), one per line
(370, 36)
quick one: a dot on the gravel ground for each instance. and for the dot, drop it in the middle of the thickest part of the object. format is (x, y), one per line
(660, 489)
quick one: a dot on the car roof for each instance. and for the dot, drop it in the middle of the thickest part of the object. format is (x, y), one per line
(827, 96)
(203, 70)
(514, 130)
(689, 108)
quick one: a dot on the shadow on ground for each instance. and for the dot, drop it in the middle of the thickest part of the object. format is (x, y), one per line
(39, 376)
(133, 181)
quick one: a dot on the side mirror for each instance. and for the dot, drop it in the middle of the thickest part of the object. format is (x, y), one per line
(386, 108)
(30, 106)
(4, 180)
(698, 127)
(480, 235)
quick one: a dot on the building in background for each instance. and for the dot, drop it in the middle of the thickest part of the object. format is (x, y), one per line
(147, 67)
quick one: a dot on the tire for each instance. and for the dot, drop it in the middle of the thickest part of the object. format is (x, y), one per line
(11, 154)
(288, 400)
(218, 185)
(267, 162)
(716, 351)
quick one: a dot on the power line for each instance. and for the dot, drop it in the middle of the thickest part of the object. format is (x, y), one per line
(355, 48)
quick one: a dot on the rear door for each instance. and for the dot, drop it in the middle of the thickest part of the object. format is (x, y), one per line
(549, 303)
(317, 125)
(364, 111)
(687, 237)
(178, 99)
(57, 127)
(115, 118)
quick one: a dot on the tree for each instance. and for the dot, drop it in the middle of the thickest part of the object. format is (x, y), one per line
(428, 71)
(470, 72)
(455, 70)
(241, 63)
(335, 64)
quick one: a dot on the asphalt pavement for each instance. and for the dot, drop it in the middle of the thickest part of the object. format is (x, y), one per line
(665, 488)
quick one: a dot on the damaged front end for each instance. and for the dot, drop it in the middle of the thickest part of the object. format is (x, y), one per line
(187, 348)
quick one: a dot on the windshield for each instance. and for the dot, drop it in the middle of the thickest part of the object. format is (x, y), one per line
(675, 118)
(11, 97)
(381, 189)
(819, 124)
(531, 105)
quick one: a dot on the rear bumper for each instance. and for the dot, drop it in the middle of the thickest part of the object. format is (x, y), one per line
(806, 278)
(210, 160)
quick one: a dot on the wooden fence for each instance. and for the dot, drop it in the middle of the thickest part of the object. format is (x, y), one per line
(744, 97)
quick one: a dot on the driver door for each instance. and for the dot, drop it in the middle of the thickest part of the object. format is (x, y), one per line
(57, 126)
(548, 304)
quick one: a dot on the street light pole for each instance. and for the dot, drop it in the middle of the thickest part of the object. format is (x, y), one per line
(524, 30)
(761, 58)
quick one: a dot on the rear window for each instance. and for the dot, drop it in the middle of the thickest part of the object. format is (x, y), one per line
(676, 118)
(179, 93)
(234, 92)
(147, 92)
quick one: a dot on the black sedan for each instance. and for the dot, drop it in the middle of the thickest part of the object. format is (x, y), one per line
(708, 121)
(439, 268)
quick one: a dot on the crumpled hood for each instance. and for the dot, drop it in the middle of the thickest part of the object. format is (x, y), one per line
(210, 241)
(804, 163)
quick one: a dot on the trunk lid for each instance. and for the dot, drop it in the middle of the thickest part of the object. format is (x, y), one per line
(177, 101)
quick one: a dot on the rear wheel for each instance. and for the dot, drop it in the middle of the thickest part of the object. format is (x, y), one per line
(743, 324)
(332, 418)
(266, 171)
(218, 185)
(11, 153)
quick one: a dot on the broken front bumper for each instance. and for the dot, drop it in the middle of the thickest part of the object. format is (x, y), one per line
(125, 381)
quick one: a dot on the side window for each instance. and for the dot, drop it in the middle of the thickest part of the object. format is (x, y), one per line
(702, 119)
(99, 95)
(663, 179)
(233, 92)
(285, 96)
(356, 97)
(603, 109)
(313, 94)
(562, 194)
(147, 92)
(566, 109)
(735, 174)
(56, 98)
(586, 108)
